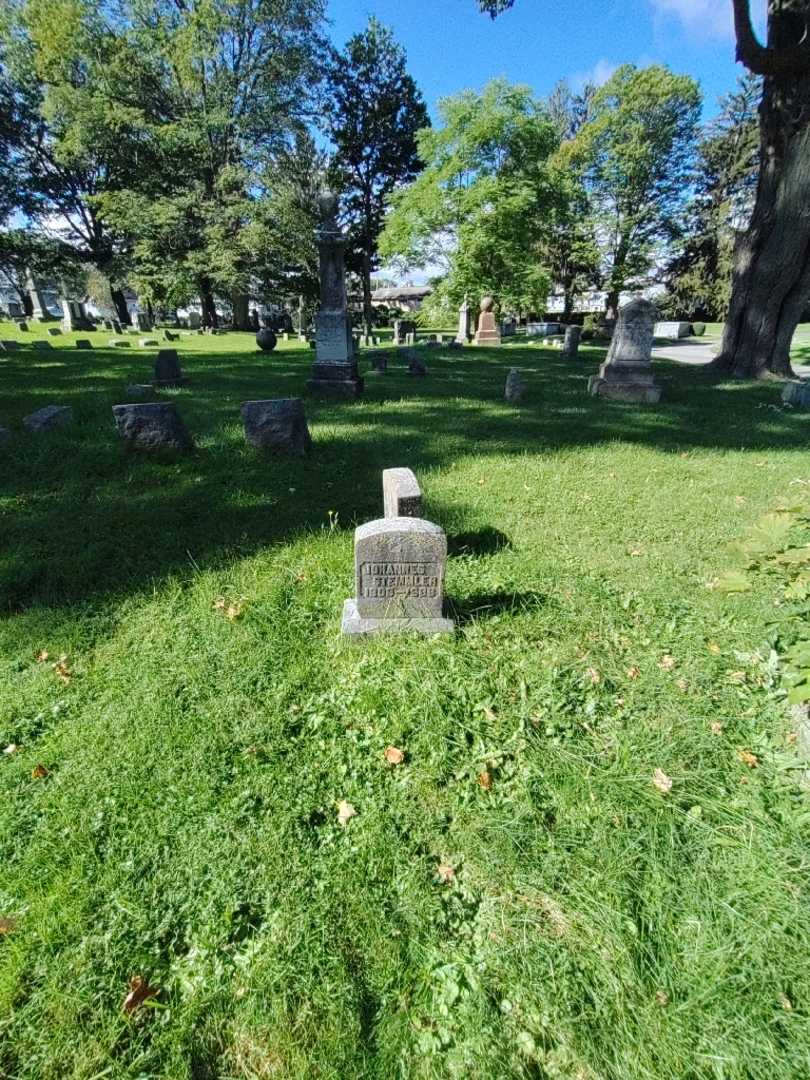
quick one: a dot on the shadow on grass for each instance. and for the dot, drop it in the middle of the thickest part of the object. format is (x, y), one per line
(486, 605)
(80, 518)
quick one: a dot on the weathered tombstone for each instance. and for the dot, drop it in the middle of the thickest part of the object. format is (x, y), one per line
(402, 496)
(278, 424)
(48, 418)
(15, 310)
(266, 340)
(508, 326)
(22, 326)
(167, 369)
(399, 578)
(39, 308)
(334, 371)
(10, 346)
(672, 329)
(571, 344)
(797, 393)
(543, 329)
(54, 331)
(464, 323)
(253, 321)
(169, 336)
(402, 328)
(107, 324)
(139, 390)
(416, 365)
(515, 386)
(152, 426)
(194, 320)
(147, 342)
(142, 322)
(119, 343)
(74, 316)
(41, 346)
(487, 332)
(84, 343)
(627, 374)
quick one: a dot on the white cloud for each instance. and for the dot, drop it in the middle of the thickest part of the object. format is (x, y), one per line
(598, 75)
(710, 18)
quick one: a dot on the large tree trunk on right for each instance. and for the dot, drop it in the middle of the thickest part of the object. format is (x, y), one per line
(771, 269)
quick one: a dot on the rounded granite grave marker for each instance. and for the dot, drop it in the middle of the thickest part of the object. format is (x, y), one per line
(152, 426)
(278, 424)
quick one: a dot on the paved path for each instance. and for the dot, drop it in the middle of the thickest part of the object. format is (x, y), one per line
(690, 351)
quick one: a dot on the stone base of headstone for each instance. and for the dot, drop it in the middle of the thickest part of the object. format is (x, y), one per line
(335, 380)
(797, 393)
(152, 426)
(277, 424)
(625, 381)
(353, 624)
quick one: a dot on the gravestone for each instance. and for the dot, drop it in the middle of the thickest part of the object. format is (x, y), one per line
(147, 342)
(416, 365)
(266, 340)
(41, 346)
(152, 426)
(278, 424)
(464, 323)
(627, 373)
(399, 579)
(487, 332)
(543, 329)
(15, 310)
(402, 496)
(169, 336)
(74, 316)
(508, 326)
(143, 324)
(253, 321)
(119, 343)
(515, 386)
(10, 346)
(22, 326)
(571, 343)
(167, 369)
(403, 327)
(107, 324)
(379, 361)
(54, 331)
(672, 329)
(797, 393)
(48, 418)
(84, 343)
(194, 320)
(334, 371)
(39, 308)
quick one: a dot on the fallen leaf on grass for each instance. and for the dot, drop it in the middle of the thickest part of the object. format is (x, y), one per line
(394, 756)
(682, 685)
(633, 672)
(39, 772)
(139, 992)
(345, 812)
(791, 737)
(593, 675)
(667, 662)
(636, 552)
(7, 925)
(736, 676)
(11, 748)
(785, 1002)
(42, 656)
(747, 758)
(739, 499)
(662, 781)
(61, 670)
(231, 609)
(717, 728)
(713, 647)
(662, 997)
(446, 872)
(485, 780)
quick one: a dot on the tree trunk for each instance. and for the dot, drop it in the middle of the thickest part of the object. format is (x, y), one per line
(120, 302)
(241, 318)
(210, 320)
(27, 303)
(771, 267)
(612, 306)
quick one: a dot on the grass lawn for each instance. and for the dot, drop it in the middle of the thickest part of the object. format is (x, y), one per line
(183, 825)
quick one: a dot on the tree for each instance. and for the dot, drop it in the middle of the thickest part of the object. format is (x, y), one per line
(771, 264)
(23, 251)
(373, 113)
(634, 154)
(724, 182)
(478, 208)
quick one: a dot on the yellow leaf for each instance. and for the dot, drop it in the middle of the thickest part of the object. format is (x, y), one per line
(139, 992)
(485, 780)
(394, 756)
(7, 925)
(345, 812)
(747, 758)
(667, 662)
(39, 772)
(717, 728)
(61, 670)
(633, 672)
(446, 873)
(713, 647)
(662, 997)
(593, 675)
(42, 656)
(662, 781)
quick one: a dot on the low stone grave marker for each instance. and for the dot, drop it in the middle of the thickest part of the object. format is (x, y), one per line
(41, 346)
(515, 386)
(148, 342)
(152, 426)
(84, 343)
(571, 343)
(167, 369)
(22, 327)
(10, 346)
(672, 329)
(54, 331)
(116, 343)
(797, 393)
(402, 496)
(399, 579)
(48, 418)
(278, 424)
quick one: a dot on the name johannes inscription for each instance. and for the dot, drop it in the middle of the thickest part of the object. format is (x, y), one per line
(418, 580)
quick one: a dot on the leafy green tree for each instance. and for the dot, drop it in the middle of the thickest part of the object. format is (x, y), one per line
(24, 250)
(477, 209)
(635, 154)
(373, 112)
(724, 183)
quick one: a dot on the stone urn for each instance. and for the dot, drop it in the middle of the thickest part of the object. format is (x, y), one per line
(266, 340)
(487, 303)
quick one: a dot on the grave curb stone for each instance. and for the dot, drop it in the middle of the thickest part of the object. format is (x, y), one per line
(48, 418)
(84, 343)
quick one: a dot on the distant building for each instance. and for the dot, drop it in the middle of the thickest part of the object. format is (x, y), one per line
(409, 297)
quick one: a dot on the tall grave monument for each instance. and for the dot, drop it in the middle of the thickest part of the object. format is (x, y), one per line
(487, 332)
(464, 322)
(627, 373)
(334, 371)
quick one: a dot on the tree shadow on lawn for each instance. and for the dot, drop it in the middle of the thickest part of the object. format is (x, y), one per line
(83, 518)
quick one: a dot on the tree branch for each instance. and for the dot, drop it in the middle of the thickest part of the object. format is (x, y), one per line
(777, 63)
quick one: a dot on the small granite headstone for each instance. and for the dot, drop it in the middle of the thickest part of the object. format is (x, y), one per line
(169, 336)
(278, 424)
(152, 426)
(54, 331)
(402, 496)
(167, 369)
(10, 346)
(797, 393)
(627, 373)
(378, 360)
(119, 343)
(84, 343)
(22, 327)
(116, 327)
(148, 342)
(48, 418)
(399, 578)
(41, 346)
(416, 365)
(515, 386)
(571, 344)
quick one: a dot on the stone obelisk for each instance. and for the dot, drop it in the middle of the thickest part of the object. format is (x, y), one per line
(334, 371)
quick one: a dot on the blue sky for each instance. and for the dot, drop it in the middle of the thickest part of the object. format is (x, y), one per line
(450, 45)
